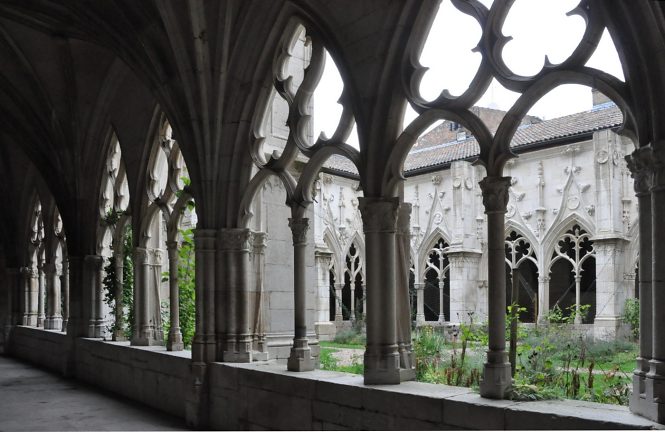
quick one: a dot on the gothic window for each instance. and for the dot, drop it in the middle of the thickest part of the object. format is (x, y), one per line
(353, 293)
(573, 275)
(333, 296)
(437, 284)
(521, 276)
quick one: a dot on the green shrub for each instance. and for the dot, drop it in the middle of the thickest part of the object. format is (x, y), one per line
(350, 337)
(631, 316)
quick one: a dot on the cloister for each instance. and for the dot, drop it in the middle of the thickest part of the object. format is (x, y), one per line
(141, 136)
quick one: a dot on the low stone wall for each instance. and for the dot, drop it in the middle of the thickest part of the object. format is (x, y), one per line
(266, 396)
(263, 395)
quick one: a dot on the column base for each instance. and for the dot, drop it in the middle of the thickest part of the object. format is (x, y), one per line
(238, 352)
(607, 328)
(654, 394)
(383, 367)
(53, 323)
(146, 341)
(119, 336)
(100, 328)
(300, 359)
(40, 321)
(174, 343)
(260, 356)
(420, 320)
(64, 325)
(325, 330)
(638, 395)
(497, 379)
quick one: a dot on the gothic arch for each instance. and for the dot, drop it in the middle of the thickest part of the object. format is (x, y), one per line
(559, 228)
(426, 248)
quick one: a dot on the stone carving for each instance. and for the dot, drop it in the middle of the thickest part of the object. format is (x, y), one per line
(378, 215)
(436, 179)
(602, 157)
(457, 182)
(437, 218)
(590, 209)
(640, 166)
(299, 228)
(573, 202)
(495, 193)
(234, 239)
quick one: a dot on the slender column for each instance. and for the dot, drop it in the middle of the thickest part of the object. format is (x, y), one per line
(578, 280)
(325, 329)
(640, 165)
(352, 312)
(40, 296)
(300, 359)
(119, 331)
(420, 303)
(655, 379)
(64, 284)
(234, 244)
(54, 318)
(381, 354)
(407, 360)
(543, 298)
(203, 346)
(496, 374)
(92, 295)
(77, 324)
(442, 316)
(339, 317)
(31, 294)
(144, 330)
(365, 298)
(174, 342)
(259, 243)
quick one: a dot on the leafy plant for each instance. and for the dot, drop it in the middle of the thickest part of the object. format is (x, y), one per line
(110, 280)
(631, 316)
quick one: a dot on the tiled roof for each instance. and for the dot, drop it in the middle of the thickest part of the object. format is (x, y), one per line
(426, 154)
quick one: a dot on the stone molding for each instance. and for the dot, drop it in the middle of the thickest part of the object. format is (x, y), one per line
(95, 262)
(259, 242)
(299, 228)
(495, 194)
(205, 239)
(141, 255)
(641, 170)
(379, 215)
(234, 239)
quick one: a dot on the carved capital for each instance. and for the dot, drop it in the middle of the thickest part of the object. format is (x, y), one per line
(379, 214)
(259, 241)
(141, 256)
(236, 239)
(94, 262)
(640, 165)
(658, 179)
(495, 193)
(299, 227)
(30, 272)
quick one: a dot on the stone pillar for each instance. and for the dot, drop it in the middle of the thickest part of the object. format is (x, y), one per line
(407, 360)
(30, 277)
(496, 374)
(174, 342)
(144, 328)
(41, 316)
(339, 317)
(640, 165)
(119, 328)
(203, 346)
(610, 297)
(233, 245)
(300, 359)
(93, 296)
(54, 318)
(463, 274)
(325, 330)
(77, 323)
(420, 303)
(259, 244)
(379, 224)
(578, 280)
(543, 298)
(655, 379)
(64, 285)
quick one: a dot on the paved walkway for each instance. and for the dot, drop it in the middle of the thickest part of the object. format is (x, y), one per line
(37, 400)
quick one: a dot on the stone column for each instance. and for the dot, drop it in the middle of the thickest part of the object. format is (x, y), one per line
(77, 323)
(640, 165)
(352, 287)
(325, 330)
(203, 346)
(420, 303)
(610, 293)
(379, 224)
(119, 331)
(407, 360)
(41, 316)
(578, 280)
(543, 298)
(144, 330)
(442, 316)
(93, 295)
(54, 318)
(31, 279)
(259, 243)
(655, 379)
(234, 244)
(64, 285)
(174, 342)
(300, 359)
(496, 374)
(339, 317)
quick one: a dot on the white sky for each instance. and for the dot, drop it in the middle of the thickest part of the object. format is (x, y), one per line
(538, 28)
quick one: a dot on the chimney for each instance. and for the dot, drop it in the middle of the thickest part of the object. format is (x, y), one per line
(598, 97)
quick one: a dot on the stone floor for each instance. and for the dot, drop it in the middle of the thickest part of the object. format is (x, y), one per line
(36, 400)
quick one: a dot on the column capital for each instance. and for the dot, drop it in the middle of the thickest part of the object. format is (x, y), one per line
(495, 193)
(49, 268)
(658, 179)
(640, 164)
(299, 228)
(259, 241)
(234, 239)
(204, 239)
(30, 272)
(379, 214)
(172, 244)
(141, 255)
(94, 261)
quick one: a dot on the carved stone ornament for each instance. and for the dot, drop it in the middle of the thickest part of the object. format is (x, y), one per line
(495, 193)
(140, 255)
(404, 218)
(602, 156)
(640, 166)
(379, 214)
(457, 182)
(234, 239)
(468, 183)
(573, 202)
(436, 179)
(299, 227)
